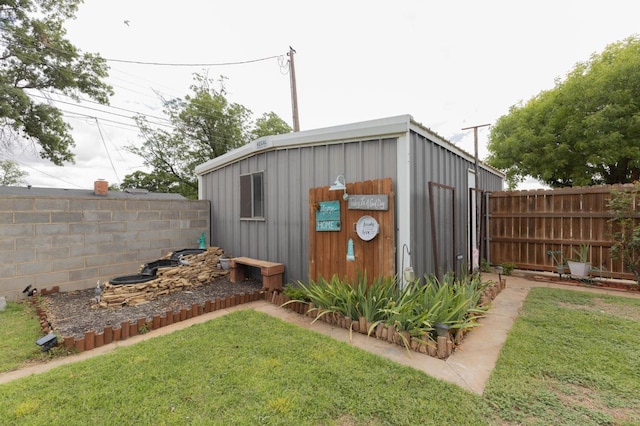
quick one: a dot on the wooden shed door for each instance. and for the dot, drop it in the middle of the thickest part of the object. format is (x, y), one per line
(329, 247)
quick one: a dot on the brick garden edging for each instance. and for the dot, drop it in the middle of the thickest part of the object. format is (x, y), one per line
(93, 339)
(442, 348)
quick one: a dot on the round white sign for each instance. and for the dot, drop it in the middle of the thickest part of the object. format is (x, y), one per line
(367, 228)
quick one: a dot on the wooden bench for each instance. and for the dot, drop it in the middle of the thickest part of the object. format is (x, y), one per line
(272, 272)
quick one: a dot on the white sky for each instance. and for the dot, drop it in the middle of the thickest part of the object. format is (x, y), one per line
(449, 64)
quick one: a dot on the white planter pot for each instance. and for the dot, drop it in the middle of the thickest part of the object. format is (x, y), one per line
(224, 262)
(579, 269)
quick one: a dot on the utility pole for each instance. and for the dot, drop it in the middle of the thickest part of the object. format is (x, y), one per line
(294, 91)
(475, 147)
(475, 225)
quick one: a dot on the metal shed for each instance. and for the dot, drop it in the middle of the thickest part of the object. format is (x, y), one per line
(434, 191)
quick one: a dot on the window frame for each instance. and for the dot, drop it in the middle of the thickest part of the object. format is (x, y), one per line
(254, 200)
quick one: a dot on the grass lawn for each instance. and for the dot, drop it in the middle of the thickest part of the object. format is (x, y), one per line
(571, 358)
(19, 330)
(243, 368)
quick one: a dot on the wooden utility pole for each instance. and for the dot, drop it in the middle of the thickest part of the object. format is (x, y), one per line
(294, 91)
(475, 147)
(475, 199)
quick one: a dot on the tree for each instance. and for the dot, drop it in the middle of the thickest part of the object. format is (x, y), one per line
(157, 181)
(624, 208)
(584, 131)
(205, 125)
(36, 57)
(270, 124)
(10, 173)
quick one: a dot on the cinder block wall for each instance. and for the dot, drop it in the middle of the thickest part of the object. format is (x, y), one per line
(73, 242)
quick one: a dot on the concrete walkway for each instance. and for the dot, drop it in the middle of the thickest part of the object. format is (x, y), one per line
(468, 367)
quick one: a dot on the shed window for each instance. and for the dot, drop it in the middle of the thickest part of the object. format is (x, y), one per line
(251, 195)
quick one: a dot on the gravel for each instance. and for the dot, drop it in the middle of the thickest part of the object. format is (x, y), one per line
(74, 313)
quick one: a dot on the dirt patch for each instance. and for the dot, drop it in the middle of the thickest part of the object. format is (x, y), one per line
(75, 313)
(599, 305)
(573, 395)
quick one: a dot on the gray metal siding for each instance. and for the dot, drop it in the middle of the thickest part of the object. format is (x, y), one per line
(432, 162)
(288, 175)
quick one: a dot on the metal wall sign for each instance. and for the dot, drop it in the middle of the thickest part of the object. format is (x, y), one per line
(368, 202)
(367, 228)
(328, 216)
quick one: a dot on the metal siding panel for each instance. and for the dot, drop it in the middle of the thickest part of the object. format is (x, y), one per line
(291, 172)
(293, 247)
(433, 162)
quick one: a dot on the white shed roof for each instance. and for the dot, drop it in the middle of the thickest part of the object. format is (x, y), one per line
(372, 129)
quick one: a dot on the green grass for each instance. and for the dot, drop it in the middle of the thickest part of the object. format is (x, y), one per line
(243, 368)
(19, 330)
(571, 358)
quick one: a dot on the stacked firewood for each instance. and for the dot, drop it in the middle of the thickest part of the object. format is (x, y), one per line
(196, 270)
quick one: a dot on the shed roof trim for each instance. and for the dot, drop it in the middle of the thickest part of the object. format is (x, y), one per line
(379, 128)
(374, 128)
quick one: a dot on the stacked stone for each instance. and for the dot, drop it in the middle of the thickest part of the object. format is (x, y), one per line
(201, 269)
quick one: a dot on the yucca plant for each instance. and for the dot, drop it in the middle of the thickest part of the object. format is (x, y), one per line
(412, 311)
(405, 313)
(453, 300)
(318, 293)
(375, 297)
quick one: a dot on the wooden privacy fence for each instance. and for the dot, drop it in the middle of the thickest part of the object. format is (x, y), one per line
(333, 221)
(525, 225)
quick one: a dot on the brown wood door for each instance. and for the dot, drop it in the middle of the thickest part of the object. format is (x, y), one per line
(328, 249)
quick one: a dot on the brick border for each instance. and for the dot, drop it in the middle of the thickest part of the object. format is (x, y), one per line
(442, 348)
(95, 339)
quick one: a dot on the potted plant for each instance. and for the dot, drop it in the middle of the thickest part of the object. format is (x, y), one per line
(224, 261)
(580, 265)
(557, 259)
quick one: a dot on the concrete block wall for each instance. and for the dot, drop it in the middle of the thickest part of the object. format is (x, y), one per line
(73, 242)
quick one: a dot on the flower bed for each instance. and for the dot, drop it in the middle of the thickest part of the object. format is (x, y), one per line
(430, 318)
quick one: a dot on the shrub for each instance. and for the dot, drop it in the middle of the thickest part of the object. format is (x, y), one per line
(416, 308)
(508, 267)
(623, 205)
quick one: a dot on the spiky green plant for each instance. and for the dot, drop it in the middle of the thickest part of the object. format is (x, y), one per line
(414, 309)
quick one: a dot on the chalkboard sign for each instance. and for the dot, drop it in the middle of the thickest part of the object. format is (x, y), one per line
(369, 202)
(328, 216)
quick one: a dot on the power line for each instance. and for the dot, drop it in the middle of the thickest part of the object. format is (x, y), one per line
(77, 115)
(107, 106)
(167, 64)
(102, 111)
(47, 174)
(113, 167)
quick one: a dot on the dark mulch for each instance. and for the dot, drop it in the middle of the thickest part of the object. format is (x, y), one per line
(74, 313)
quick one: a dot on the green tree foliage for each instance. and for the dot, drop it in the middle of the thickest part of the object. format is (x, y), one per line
(205, 125)
(11, 174)
(270, 124)
(35, 56)
(584, 131)
(158, 181)
(624, 207)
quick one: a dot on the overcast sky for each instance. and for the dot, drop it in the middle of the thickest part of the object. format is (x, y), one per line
(449, 64)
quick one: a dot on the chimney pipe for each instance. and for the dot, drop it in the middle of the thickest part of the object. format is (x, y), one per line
(101, 187)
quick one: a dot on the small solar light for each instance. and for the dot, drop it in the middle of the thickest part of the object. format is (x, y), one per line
(30, 290)
(47, 342)
(499, 271)
(98, 292)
